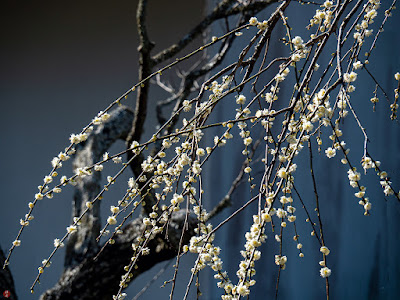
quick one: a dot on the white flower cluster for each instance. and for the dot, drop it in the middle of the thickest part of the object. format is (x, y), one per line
(386, 187)
(369, 163)
(101, 118)
(187, 106)
(320, 108)
(254, 238)
(217, 90)
(122, 296)
(350, 77)
(208, 254)
(354, 178)
(150, 164)
(362, 30)
(56, 163)
(260, 25)
(281, 76)
(395, 106)
(280, 260)
(78, 138)
(324, 271)
(300, 50)
(323, 17)
(272, 95)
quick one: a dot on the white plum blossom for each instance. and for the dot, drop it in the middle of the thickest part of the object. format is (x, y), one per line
(330, 152)
(350, 77)
(325, 272)
(253, 21)
(111, 220)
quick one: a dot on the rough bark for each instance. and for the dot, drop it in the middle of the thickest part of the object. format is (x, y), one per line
(83, 243)
(99, 279)
(6, 279)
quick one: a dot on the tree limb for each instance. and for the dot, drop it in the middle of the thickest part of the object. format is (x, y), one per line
(222, 10)
(99, 279)
(145, 66)
(84, 242)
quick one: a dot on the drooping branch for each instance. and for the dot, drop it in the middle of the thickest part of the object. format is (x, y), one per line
(226, 201)
(87, 278)
(99, 279)
(90, 274)
(146, 63)
(189, 80)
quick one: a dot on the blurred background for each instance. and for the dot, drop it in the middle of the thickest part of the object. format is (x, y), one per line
(62, 62)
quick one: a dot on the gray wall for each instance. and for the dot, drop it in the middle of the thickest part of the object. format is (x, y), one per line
(363, 255)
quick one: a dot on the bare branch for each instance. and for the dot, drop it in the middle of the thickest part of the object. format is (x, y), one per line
(222, 10)
(145, 66)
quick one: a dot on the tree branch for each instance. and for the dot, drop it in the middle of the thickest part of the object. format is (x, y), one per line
(220, 11)
(99, 279)
(83, 242)
(145, 66)
(189, 80)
